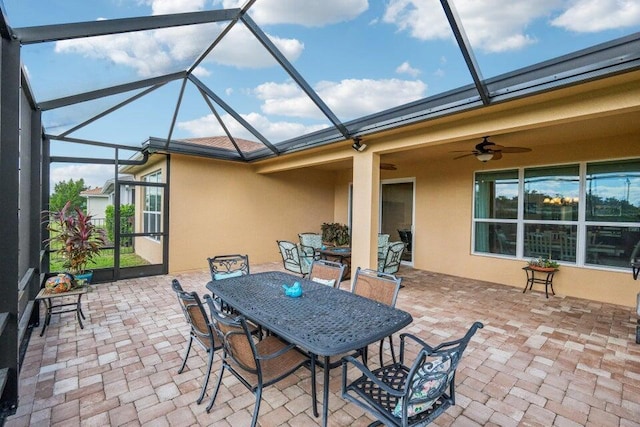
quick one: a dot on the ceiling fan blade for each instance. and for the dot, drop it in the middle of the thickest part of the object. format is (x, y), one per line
(464, 155)
(497, 155)
(515, 150)
(388, 166)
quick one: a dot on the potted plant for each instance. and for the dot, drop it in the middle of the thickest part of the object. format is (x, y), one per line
(335, 234)
(543, 264)
(75, 238)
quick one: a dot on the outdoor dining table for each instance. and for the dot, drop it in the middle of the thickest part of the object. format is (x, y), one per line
(324, 321)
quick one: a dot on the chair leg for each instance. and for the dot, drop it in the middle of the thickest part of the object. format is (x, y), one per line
(393, 352)
(215, 392)
(256, 409)
(186, 356)
(206, 378)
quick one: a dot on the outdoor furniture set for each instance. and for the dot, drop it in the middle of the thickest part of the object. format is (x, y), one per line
(324, 327)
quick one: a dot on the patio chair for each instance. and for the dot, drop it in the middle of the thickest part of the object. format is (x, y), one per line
(402, 395)
(383, 244)
(390, 263)
(255, 364)
(201, 330)
(381, 287)
(326, 272)
(293, 259)
(310, 244)
(226, 266)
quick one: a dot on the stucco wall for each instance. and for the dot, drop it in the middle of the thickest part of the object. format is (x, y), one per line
(443, 221)
(225, 208)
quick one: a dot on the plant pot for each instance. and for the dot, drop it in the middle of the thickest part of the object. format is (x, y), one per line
(544, 269)
(87, 276)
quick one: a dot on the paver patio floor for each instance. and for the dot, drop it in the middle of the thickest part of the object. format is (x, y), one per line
(537, 362)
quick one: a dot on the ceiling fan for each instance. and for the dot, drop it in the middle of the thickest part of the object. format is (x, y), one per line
(388, 166)
(488, 150)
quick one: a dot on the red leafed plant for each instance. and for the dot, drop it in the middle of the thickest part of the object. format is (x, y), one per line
(78, 239)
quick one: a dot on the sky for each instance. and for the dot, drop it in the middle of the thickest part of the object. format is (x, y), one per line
(360, 56)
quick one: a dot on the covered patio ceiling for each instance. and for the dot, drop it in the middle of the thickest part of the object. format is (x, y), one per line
(243, 140)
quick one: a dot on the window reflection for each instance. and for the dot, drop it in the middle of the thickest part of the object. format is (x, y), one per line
(552, 193)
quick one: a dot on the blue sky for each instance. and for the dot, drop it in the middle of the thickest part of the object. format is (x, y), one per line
(360, 56)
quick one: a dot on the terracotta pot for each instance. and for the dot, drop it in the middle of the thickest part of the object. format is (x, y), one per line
(538, 268)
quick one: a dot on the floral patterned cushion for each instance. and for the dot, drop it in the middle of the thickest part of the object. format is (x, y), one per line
(428, 384)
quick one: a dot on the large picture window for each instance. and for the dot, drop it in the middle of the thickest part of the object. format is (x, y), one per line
(579, 214)
(152, 213)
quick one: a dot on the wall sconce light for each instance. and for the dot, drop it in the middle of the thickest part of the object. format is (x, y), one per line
(357, 145)
(484, 157)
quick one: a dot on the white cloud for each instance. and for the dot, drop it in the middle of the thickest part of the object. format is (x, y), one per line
(314, 13)
(490, 25)
(156, 52)
(406, 68)
(273, 131)
(93, 175)
(599, 15)
(348, 98)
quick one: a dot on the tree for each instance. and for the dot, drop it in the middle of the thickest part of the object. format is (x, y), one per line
(65, 191)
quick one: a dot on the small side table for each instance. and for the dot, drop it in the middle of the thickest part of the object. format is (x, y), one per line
(61, 306)
(545, 277)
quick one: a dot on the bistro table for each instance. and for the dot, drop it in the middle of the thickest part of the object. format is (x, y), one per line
(324, 321)
(341, 254)
(72, 306)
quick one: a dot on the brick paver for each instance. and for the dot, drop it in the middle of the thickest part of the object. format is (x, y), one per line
(560, 361)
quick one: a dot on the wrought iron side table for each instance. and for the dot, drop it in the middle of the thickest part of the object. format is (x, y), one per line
(61, 306)
(547, 280)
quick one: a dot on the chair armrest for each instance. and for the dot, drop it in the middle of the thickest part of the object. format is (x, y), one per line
(366, 372)
(278, 353)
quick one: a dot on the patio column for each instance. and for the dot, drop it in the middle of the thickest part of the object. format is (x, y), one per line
(365, 210)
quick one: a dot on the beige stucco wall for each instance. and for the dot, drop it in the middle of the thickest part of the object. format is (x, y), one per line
(221, 207)
(443, 220)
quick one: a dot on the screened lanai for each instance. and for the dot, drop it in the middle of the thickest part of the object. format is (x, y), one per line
(88, 89)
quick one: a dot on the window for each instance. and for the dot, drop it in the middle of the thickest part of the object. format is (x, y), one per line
(496, 212)
(152, 213)
(580, 214)
(612, 212)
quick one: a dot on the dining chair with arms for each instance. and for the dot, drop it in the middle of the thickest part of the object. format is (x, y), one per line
(310, 244)
(392, 259)
(381, 287)
(403, 395)
(225, 266)
(255, 364)
(383, 244)
(201, 330)
(293, 259)
(326, 272)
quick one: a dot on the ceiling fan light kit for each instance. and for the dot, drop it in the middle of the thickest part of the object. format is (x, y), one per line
(484, 157)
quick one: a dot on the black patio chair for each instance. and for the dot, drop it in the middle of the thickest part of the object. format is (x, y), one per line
(294, 259)
(255, 364)
(390, 262)
(381, 287)
(226, 266)
(401, 395)
(326, 272)
(201, 330)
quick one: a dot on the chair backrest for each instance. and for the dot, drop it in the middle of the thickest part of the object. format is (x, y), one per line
(235, 336)
(225, 266)
(390, 264)
(432, 373)
(377, 286)
(327, 272)
(383, 243)
(195, 314)
(406, 237)
(292, 259)
(537, 244)
(313, 240)
(567, 248)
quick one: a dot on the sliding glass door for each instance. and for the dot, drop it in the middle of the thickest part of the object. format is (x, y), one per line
(396, 213)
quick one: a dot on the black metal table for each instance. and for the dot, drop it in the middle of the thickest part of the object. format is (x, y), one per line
(324, 321)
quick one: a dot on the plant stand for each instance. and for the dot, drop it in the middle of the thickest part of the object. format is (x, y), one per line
(547, 280)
